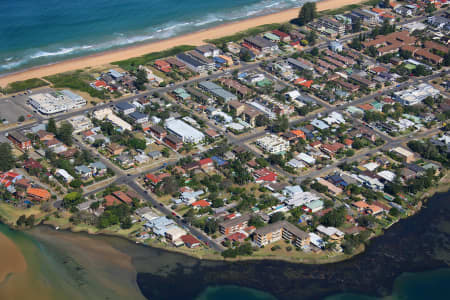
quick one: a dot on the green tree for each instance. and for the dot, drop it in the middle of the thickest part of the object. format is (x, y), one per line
(7, 159)
(356, 25)
(21, 119)
(278, 216)
(65, 132)
(307, 13)
(51, 126)
(141, 79)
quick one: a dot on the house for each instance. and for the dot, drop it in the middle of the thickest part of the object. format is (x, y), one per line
(234, 225)
(110, 200)
(115, 149)
(31, 164)
(45, 135)
(98, 168)
(314, 206)
(190, 241)
(174, 233)
(331, 149)
(331, 232)
(19, 140)
(84, 171)
(162, 65)
(284, 37)
(124, 108)
(408, 156)
(139, 117)
(201, 204)
(38, 194)
(366, 208)
(154, 154)
(122, 197)
(64, 175)
(331, 187)
(125, 160)
(264, 175)
(206, 164)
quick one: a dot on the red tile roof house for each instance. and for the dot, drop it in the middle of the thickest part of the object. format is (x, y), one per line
(110, 200)
(236, 237)
(31, 164)
(284, 37)
(123, 197)
(331, 149)
(163, 66)
(190, 241)
(201, 203)
(206, 164)
(152, 179)
(264, 175)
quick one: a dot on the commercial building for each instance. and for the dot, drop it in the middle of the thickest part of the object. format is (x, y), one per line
(56, 102)
(416, 94)
(273, 144)
(184, 131)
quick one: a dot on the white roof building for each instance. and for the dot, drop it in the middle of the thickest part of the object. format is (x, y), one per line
(65, 175)
(80, 123)
(273, 144)
(387, 175)
(56, 102)
(185, 132)
(107, 113)
(416, 94)
(306, 158)
(330, 231)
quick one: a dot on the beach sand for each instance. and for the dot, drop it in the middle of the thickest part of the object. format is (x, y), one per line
(196, 38)
(12, 260)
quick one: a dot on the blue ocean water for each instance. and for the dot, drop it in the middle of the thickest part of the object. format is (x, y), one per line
(40, 32)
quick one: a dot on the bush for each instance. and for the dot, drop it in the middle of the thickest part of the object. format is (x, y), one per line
(77, 80)
(24, 85)
(135, 62)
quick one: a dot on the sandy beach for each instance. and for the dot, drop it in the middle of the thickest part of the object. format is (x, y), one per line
(196, 38)
(12, 259)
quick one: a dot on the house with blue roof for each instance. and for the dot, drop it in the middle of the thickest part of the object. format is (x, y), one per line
(319, 124)
(139, 117)
(124, 108)
(219, 161)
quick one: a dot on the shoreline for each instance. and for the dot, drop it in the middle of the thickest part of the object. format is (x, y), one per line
(194, 38)
(441, 188)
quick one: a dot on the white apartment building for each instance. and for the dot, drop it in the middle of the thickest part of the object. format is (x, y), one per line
(184, 131)
(273, 144)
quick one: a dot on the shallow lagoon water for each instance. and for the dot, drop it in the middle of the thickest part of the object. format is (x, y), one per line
(410, 261)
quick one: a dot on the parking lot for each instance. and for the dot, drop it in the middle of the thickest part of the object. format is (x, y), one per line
(11, 109)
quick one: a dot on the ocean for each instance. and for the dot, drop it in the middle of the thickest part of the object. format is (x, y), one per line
(41, 32)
